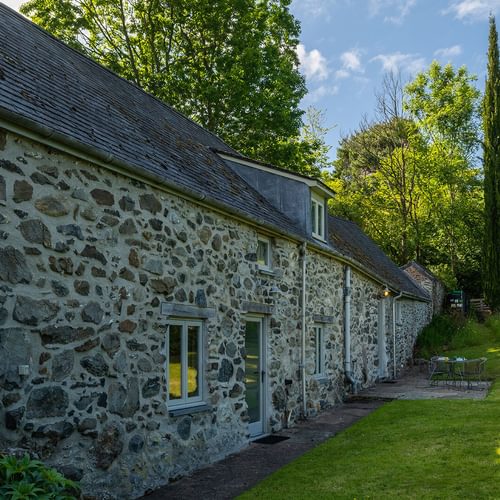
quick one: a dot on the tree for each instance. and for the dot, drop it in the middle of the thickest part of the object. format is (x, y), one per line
(491, 149)
(408, 177)
(230, 65)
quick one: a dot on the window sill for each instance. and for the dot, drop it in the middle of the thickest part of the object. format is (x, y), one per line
(267, 271)
(189, 410)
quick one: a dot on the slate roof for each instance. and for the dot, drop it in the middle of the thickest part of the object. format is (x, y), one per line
(45, 84)
(51, 84)
(349, 240)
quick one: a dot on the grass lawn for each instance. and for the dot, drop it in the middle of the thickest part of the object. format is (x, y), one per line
(407, 449)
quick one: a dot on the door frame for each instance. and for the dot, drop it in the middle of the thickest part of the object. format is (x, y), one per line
(260, 427)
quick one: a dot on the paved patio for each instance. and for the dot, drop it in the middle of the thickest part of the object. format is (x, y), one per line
(241, 471)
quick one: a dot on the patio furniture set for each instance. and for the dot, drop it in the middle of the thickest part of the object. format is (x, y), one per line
(456, 371)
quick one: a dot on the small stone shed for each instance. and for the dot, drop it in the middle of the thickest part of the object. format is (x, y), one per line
(163, 299)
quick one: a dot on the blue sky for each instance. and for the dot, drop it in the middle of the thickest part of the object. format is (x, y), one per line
(347, 46)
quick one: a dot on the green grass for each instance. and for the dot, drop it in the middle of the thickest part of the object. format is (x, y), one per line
(435, 449)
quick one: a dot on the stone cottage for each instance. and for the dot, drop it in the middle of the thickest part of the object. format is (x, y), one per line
(163, 299)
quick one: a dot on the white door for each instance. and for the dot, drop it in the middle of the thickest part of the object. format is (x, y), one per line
(382, 340)
(255, 375)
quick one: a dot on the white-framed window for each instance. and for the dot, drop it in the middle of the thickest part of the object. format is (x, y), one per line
(319, 351)
(318, 217)
(184, 362)
(264, 252)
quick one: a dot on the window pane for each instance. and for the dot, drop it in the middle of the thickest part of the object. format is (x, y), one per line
(263, 253)
(174, 362)
(320, 220)
(313, 214)
(193, 357)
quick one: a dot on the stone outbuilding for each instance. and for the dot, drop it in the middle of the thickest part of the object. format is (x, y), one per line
(429, 282)
(163, 299)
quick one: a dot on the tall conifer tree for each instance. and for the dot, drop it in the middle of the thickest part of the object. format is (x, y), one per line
(491, 126)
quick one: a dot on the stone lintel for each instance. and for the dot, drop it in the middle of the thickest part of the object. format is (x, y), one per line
(321, 318)
(184, 311)
(189, 410)
(257, 307)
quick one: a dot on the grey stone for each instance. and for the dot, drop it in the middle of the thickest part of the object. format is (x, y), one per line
(80, 194)
(154, 266)
(70, 472)
(4, 314)
(10, 167)
(92, 313)
(71, 230)
(33, 312)
(121, 364)
(127, 227)
(205, 234)
(151, 387)
(279, 399)
(126, 274)
(35, 231)
(240, 374)
(127, 204)
(64, 334)
(144, 365)
(108, 446)
(92, 252)
(136, 443)
(23, 191)
(133, 345)
(201, 299)
(236, 391)
(41, 179)
(165, 286)
(95, 365)
(50, 170)
(180, 295)
(103, 197)
(13, 266)
(121, 401)
(150, 202)
(217, 242)
(47, 402)
(89, 214)
(59, 288)
(87, 424)
(231, 349)
(13, 418)
(55, 432)
(81, 287)
(62, 365)
(111, 343)
(49, 205)
(184, 428)
(226, 371)
(127, 326)
(15, 350)
(3, 190)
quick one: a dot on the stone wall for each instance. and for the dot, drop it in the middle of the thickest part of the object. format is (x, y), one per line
(87, 259)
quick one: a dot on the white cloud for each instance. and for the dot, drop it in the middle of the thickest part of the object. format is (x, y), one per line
(342, 73)
(351, 60)
(448, 52)
(314, 8)
(399, 9)
(312, 64)
(320, 92)
(473, 10)
(405, 63)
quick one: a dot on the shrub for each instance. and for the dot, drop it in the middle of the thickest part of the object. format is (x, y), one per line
(25, 478)
(437, 334)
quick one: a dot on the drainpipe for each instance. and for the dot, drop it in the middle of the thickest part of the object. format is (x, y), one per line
(303, 339)
(347, 330)
(397, 297)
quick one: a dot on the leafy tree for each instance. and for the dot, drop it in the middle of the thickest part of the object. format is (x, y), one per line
(491, 147)
(230, 65)
(408, 180)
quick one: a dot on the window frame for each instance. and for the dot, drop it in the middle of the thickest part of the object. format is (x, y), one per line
(319, 350)
(263, 239)
(317, 217)
(185, 400)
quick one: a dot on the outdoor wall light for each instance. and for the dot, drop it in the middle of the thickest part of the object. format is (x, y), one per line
(386, 292)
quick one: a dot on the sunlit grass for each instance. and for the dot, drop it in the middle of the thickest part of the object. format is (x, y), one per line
(437, 449)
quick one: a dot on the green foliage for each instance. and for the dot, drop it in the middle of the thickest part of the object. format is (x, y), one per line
(491, 149)
(408, 178)
(230, 65)
(24, 478)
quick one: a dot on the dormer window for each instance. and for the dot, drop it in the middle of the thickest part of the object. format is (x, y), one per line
(318, 217)
(264, 253)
